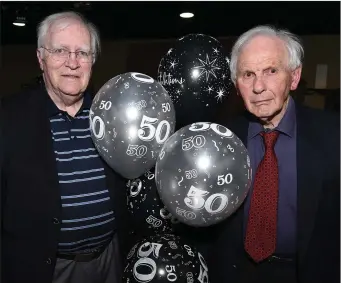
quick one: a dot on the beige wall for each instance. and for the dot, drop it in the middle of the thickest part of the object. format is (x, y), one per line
(19, 64)
(322, 50)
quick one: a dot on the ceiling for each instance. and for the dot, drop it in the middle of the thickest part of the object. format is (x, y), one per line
(160, 20)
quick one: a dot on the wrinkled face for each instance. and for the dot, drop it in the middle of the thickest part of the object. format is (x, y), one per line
(263, 78)
(68, 77)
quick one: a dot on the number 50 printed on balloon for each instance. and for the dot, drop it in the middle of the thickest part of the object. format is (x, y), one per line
(130, 119)
(165, 258)
(147, 125)
(203, 173)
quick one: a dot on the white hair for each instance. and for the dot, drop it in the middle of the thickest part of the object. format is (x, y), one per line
(62, 20)
(292, 42)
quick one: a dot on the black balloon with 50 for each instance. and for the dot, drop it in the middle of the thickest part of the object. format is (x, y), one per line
(143, 202)
(165, 258)
(195, 73)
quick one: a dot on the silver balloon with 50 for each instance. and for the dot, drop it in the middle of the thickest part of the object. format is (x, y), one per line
(131, 117)
(203, 174)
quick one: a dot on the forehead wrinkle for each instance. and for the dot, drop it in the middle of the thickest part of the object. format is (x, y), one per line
(59, 27)
(263, 50)
(260, 64)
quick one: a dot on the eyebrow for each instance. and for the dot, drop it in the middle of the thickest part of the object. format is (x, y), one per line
(84, 48)
(247, 69)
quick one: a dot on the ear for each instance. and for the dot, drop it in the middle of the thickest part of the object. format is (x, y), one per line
(236, 88)
(295, 78)
(40, 59)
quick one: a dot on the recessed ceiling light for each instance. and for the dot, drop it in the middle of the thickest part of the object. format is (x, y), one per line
(186, 15)
(20, 22)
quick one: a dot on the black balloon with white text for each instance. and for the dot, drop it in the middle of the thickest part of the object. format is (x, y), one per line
(143, 202)
(195, 72)
(165, 258)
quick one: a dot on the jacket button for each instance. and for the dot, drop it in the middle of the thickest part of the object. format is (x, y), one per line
(48, 261)
(55, 221)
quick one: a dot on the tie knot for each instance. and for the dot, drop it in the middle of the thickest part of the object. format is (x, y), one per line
(270, 138)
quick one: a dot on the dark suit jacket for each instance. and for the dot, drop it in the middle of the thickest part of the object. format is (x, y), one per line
(318, 205)
(30, 193)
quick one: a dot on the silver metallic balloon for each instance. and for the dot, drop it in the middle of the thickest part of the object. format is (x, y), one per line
(131, 117)
(203, 174)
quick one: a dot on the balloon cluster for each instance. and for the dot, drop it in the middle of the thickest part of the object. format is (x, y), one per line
(179, 165)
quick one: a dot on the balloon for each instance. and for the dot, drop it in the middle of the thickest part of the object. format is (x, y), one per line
(131, 117)
(195, 73)
(164, 258)
(203, 174)
(149, 213)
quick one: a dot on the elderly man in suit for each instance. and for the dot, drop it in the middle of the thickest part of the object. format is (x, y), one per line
(287, 229)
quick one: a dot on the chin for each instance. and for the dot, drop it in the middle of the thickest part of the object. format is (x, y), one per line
(72, 92)
(266, 116)
(263, 111)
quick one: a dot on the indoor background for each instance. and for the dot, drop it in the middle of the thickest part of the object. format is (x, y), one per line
(136, 35)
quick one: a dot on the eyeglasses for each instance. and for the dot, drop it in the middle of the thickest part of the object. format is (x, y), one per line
(62, 54)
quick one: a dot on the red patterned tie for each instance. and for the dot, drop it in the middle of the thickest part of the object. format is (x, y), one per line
(260, 240)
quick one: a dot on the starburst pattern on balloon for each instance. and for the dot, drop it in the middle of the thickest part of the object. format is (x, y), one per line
(220, 94)
(207, 67)
(215, 50)
(173, 64)
(209, 89)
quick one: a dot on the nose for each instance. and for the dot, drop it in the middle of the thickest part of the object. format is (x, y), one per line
(258, 85)
(72, 61)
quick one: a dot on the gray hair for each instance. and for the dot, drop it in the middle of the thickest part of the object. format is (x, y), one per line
(62, 20)
(291, 41)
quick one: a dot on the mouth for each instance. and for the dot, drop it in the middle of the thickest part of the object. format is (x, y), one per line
(71, 76)
(257, 103)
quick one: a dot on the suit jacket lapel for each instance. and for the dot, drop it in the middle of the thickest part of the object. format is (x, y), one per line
(40, 146)
(309, 181)
(240, 128)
